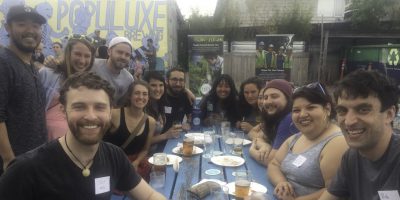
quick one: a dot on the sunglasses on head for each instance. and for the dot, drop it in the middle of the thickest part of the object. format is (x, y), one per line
(314, 86)
(80, 37)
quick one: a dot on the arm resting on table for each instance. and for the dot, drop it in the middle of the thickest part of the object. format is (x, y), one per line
(145, 192)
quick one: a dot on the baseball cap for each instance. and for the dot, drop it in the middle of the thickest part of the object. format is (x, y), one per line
(118, 40)
(24, 12)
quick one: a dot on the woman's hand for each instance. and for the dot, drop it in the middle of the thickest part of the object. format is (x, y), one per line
(174, 131)
(284, 190)
(245, 126)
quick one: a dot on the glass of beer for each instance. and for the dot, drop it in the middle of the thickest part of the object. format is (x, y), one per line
(160, 161)
(242, 183)
(188, 143)
(238, 143)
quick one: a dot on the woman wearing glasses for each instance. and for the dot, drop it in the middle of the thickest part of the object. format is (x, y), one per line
(79, 57)
(220, 104)
(305, 163)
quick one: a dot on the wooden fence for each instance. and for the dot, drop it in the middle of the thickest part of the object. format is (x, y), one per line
(242, 66)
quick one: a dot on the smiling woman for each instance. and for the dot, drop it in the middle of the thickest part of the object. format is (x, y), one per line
(132, 129)
(79, 57)
(304, 165)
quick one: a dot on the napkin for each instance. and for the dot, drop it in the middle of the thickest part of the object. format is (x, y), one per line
(201, 190)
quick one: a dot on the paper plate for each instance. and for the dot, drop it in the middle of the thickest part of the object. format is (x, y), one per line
(253, 187)
(228, 161)
(198, 138)
(171, 159)
(196, 150)
(245, 142)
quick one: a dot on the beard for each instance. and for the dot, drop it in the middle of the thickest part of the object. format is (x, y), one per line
(76, 127)
(119, 64)
(271, 122)
(21, 46)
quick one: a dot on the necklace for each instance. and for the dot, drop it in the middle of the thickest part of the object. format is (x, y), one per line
(85, 170)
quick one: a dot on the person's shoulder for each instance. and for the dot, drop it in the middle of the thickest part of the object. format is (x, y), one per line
(126, 74)
(31, 158)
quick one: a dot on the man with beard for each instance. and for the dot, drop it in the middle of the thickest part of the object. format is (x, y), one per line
(78, 165)
(22, 98)
(177, 103)
(370, 169)
(114, 68)
(277, 123)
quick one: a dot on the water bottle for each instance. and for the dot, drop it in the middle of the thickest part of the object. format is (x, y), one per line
(196, 121)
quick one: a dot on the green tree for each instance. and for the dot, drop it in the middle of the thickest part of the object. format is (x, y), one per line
(296, 20)
(366, 15)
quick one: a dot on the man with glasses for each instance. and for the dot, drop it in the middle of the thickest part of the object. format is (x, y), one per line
(177, 103)
(370, 169)
(22, 98)
(114, 69)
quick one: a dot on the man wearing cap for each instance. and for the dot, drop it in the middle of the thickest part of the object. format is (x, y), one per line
(22, 99)
(277, 126)
(114, 69)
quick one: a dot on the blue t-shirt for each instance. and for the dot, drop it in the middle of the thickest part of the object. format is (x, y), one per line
(286, 129)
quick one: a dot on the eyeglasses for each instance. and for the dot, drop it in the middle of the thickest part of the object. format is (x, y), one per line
(181, 80)
(80, 37)
(315, 85)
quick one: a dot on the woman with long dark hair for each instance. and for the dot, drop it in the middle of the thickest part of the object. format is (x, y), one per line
(220, 104)
(250, 114)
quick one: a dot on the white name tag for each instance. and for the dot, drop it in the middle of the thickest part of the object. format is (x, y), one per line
(167, 110)
(102, 185)
(299, 161)
(389, 195)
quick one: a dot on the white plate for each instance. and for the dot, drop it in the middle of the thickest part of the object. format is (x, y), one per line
(253, 187)
(245, 142)
(196, 150)
(198, 138)
(171, 159)
(227, 161)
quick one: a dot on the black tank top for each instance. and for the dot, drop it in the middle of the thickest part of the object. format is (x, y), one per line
(122, 134)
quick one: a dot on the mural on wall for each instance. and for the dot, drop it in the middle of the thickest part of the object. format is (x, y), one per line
(138, 20)
(274, 56)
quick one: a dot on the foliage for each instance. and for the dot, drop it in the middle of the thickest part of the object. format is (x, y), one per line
(296, 20)
(375, 15)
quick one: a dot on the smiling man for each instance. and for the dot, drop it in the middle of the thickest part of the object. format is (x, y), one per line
(22, 100)
(370, 169)
(114, 69)
(78, 165)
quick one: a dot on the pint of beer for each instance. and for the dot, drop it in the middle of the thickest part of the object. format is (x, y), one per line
(188, 143)
(242, 184)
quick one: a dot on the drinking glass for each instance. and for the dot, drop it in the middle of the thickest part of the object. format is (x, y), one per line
(220, 193)
(238, 143)
(228, 138)
(242, 183)
(208, 142)
(160, 161)
(188, 144)
(157, 179)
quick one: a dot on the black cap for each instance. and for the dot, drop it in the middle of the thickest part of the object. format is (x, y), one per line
(24, 12)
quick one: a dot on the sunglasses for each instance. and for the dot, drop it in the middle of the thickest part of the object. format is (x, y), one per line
(80, 37)
(314, 86)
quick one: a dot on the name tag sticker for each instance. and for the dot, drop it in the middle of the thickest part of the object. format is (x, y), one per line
(299, 161)
(389, 195)
(102, 185)
(167, 109)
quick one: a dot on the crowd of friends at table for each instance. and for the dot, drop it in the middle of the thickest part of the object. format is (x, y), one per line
(84, 128)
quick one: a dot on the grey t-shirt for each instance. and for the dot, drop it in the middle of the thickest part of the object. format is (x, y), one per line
(120, 82)
(359, 178)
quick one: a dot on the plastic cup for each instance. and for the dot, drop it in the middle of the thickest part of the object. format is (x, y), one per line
(188, 144)
(157, 179)
(242, 184)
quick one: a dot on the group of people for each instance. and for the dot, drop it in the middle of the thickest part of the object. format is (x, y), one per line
(84, 128)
